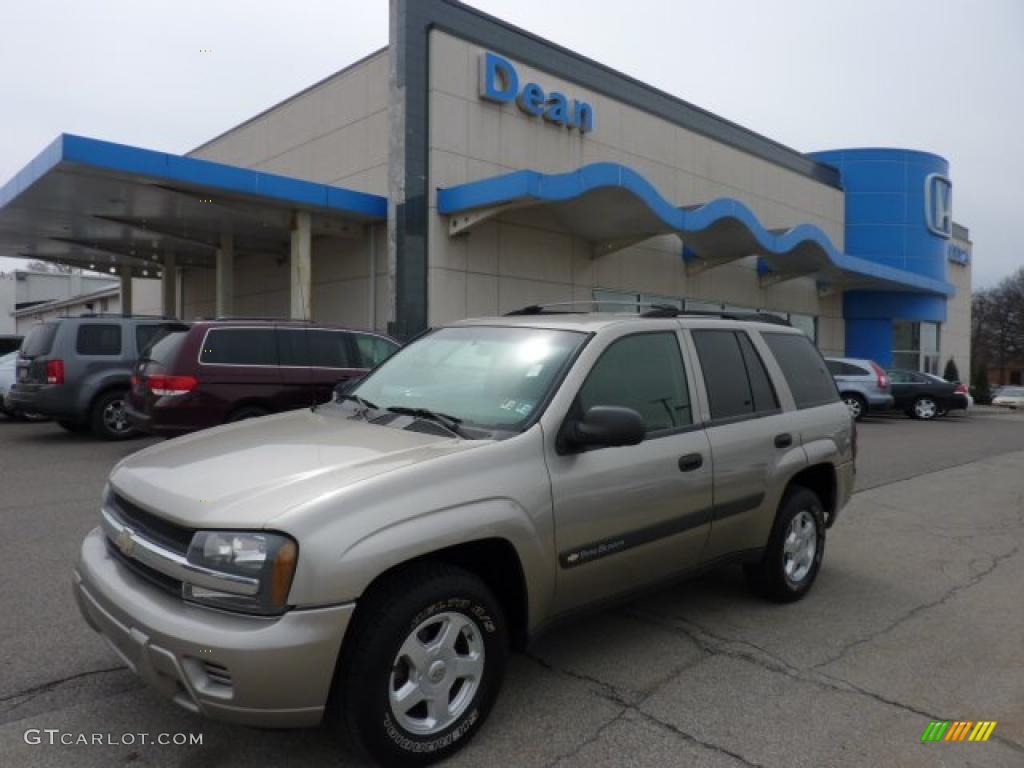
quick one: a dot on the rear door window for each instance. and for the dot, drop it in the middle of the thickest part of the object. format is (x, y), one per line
(316, 348)
(239, 346)
(804, 369)
(98, 339)
(734, 375)
(373, 350)
(39, 340)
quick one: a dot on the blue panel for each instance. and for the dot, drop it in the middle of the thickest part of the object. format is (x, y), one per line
(893, 305)
(190, 170)
(887, 186)
(870, 339)
(527, 186)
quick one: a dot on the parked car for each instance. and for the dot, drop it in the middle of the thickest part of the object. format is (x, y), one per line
(384, 551)
(863, 384)
(77, 369)
(217, 371)
(8, 364)
(1009, 397)
(962, 398)
(922, 396)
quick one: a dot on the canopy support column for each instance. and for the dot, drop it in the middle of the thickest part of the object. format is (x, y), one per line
(301, 266)
(126, 291)
(169, 287)
(226, 276)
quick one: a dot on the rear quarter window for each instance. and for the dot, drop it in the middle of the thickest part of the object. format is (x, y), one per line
(239, 346)
(39, 340)
(805, 370)
(98, 339)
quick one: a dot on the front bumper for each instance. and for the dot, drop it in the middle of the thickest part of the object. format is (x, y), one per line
(269, 672)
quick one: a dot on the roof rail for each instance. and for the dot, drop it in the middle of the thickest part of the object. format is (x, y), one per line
(654, 310)
(270, 318)
(129, 316)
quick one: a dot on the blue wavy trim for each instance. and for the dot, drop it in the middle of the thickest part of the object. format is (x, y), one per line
(520, 186)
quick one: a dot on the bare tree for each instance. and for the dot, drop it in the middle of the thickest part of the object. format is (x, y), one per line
(997, 327)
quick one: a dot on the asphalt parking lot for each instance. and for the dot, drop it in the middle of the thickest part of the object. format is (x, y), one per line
(917, 615)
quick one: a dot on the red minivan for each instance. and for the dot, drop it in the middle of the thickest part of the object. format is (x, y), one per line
(210, 372)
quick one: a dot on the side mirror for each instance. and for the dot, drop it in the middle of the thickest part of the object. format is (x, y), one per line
(606, 426)
(346, 386)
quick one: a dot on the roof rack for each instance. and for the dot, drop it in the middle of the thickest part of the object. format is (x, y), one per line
(129, 316)
(268, 318)
(654, 310)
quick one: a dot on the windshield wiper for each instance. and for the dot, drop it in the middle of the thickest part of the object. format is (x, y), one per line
(365, 404)
(451, 423)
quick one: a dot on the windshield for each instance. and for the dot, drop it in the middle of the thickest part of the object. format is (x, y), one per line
(39, 340)
(490, 377)
(163, 350)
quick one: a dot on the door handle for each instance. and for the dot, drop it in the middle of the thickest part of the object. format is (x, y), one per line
(690, 462)
(784, 440)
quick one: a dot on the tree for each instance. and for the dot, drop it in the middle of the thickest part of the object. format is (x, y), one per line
(980, 388)
(997, 324)
(951, 373)
(43, 266)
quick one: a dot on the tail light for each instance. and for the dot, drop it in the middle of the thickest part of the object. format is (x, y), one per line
(883, 380)
(960, 389)
(134, 381)
(165, 386)
(54, 371)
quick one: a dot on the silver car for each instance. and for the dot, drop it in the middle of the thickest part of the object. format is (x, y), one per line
(369, 563)
(863, 385)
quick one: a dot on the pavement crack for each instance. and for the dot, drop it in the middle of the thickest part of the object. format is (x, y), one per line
(976, 578)
(38, 690)
(595, 736)
(676, 731)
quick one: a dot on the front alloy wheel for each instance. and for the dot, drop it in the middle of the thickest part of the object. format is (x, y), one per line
(856, 406)
(422, 666)
(792, 558)
(925, 408)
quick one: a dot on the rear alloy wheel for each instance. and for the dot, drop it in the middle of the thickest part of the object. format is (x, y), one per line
(924, 408)
(793, 556)
(423, 665)
(109, 417)
(856, 405)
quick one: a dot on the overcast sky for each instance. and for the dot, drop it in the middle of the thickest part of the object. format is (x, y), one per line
(938, 75)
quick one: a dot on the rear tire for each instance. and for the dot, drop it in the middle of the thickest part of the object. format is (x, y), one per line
(108, 417)
(430, 634)
(246, 412)
(791, 560)
(856, 403)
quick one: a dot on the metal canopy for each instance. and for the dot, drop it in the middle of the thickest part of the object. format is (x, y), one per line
(121, 209)
(614, 206)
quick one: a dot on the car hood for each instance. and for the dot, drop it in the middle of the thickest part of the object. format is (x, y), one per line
(246, 474)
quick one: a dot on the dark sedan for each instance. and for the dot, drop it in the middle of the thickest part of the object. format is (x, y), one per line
(924, 397)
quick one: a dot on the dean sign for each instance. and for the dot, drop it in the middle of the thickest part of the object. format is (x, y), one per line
(499, 82)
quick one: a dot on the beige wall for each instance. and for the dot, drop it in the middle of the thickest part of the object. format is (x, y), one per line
(956, 333)
(526, 257)
(340, 279)
(335, 132)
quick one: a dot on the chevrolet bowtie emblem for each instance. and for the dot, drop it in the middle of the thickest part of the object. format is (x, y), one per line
(126, 542)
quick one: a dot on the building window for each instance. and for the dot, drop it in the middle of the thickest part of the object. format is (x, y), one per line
(916, 346)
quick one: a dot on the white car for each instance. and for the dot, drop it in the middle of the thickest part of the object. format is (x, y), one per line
(7, 374)
(1010, 397)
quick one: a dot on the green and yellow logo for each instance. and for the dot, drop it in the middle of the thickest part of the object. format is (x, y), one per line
(958, 730)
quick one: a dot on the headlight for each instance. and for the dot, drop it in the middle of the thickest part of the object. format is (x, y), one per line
(268, 559)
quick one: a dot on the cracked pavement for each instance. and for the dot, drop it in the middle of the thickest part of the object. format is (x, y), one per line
(917, 615)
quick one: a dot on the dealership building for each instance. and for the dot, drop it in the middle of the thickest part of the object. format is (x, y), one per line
(472, 168)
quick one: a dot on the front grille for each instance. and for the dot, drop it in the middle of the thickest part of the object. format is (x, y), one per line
(162, 580)
(156, 529)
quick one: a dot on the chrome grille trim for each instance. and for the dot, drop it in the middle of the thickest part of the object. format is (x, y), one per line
(136, 547)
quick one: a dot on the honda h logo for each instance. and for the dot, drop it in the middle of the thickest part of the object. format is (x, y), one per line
(938, 205)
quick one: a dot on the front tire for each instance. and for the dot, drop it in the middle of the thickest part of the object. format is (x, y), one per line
(109, 419)
(858, 405)
(791, 560)
(423, 666)
(924, 409)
